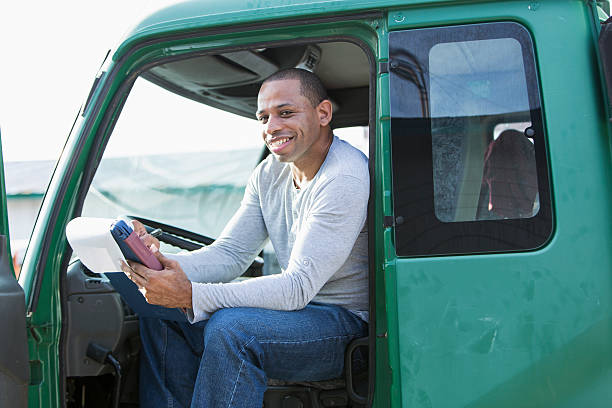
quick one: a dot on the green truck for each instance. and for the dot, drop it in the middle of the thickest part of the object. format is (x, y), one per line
(490, 230)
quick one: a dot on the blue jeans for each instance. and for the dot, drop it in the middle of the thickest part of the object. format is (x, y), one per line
(227, 360)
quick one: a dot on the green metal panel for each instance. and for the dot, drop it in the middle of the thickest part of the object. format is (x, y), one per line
(382, 206)
(194, 15)
(521, 329)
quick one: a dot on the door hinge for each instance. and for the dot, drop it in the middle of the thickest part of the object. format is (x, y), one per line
(36, 372)
(39, 332)
(388, 221)
(383, 67)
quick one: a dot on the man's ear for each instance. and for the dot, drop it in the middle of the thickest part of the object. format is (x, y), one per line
(324, 110)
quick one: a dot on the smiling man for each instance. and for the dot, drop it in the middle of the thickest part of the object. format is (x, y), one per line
(309, 197)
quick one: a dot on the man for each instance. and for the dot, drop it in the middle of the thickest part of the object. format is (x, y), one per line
(309, 197)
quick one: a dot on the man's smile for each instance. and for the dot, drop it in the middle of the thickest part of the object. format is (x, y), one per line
(277, 144)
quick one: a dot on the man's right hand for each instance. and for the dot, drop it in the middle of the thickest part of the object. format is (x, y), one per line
(150, 241)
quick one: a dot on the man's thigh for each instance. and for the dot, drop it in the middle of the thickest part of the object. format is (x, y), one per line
(302, 345)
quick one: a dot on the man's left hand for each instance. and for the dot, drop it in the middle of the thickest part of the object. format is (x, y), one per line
(168, 287)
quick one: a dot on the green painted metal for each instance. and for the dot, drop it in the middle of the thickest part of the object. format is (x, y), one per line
(522, 329)
(527, 329)
(195, 15)
(382, 398)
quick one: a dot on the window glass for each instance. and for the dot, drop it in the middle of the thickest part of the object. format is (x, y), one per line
(477, 176)
(468, 147)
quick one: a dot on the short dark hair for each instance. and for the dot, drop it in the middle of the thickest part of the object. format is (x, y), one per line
(310, 84)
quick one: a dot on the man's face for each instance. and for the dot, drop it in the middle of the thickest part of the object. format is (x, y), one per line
(291, 126)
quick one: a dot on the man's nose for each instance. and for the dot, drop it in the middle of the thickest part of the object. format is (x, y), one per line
(273, 125)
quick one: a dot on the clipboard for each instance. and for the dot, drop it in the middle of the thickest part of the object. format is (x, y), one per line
(101, 244)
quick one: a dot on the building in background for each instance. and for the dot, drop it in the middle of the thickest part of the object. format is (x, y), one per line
(26, 183)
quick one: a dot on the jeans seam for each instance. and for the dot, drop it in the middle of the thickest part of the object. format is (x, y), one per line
(163, 363)
(242, 351)
(307, 341)
(229, 404)
(246, 344)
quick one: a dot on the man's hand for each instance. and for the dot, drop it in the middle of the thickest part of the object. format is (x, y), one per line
(168, 287)
(147, 238)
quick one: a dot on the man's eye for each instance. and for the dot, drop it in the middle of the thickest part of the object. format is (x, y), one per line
(286, 113)
(262, 119)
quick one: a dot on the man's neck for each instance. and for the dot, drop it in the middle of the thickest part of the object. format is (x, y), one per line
(304, 172)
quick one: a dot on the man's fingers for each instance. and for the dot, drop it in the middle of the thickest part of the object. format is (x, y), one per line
(139, 269)
(133, 275)
(139, 228)
(126, 268)
(138, 280)
(150, 242)
(147, 238)
(166, 263)
(143, 291)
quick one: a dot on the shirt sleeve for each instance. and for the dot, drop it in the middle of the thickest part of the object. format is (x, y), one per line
(322, 245)
(236, 248)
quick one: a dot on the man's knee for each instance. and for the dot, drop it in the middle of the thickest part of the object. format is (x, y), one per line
(225, 321)
(231, 329)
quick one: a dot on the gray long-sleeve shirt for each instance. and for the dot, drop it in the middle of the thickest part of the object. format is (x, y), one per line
(318, 233)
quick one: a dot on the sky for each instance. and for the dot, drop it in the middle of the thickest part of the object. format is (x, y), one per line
(51, 52)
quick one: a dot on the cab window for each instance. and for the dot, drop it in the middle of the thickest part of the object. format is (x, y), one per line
(470, 171)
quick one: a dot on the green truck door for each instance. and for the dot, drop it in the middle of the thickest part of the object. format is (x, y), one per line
(497, 297)
(470, 178)
(14, 368)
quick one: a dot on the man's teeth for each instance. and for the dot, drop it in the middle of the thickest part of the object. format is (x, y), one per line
(279, 142)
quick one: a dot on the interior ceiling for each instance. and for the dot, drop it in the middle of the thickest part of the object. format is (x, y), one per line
(231, 80)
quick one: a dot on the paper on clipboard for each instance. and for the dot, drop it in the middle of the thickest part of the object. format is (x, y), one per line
(94, 244)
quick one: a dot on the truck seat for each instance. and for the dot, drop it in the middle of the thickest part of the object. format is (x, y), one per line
(350, 390)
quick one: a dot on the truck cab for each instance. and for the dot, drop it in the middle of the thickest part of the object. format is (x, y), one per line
(486, 125)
